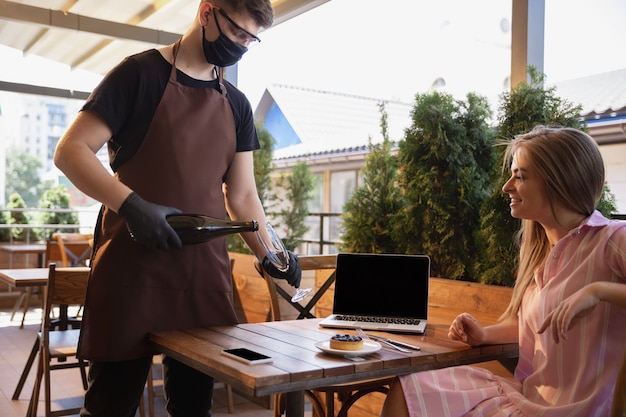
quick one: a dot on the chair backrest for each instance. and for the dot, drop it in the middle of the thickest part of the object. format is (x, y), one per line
(66, 286)
(239, 310)
(69, 249)
(307, 263)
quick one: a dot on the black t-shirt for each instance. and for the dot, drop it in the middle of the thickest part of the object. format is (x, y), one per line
(129, 94)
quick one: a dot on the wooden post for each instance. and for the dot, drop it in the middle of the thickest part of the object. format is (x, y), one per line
(527, 38)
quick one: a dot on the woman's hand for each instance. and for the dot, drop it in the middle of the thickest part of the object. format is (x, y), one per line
(467, 329)
(569, 312)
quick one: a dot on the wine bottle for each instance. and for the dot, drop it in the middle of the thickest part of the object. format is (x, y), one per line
(196, 228)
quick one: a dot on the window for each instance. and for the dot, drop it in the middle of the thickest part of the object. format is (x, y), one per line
(342, 185)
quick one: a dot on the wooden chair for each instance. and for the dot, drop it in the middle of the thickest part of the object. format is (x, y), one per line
(66, 286)
(64, 249)
(348, 394)
(71, 249)
(619, 398)
(74, 250)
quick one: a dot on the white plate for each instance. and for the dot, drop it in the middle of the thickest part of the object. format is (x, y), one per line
(368, 347)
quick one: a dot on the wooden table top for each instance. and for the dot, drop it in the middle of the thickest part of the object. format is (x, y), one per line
(26, 248)
(298, 364)
(26, 277)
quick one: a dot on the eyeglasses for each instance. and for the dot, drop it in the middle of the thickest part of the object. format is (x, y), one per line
(241, 35)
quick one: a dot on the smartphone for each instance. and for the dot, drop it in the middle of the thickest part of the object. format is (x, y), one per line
(246, 356)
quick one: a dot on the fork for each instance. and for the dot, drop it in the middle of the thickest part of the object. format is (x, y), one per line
(366, 337)
(362, 334)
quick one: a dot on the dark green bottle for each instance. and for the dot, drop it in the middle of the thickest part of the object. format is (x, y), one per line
(196, 228)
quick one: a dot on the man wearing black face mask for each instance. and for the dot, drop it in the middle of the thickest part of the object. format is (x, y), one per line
(180, 139)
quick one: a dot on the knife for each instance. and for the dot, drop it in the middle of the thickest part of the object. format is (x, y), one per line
(395, 342)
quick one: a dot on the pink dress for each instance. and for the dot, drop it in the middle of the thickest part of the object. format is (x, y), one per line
(573, 378)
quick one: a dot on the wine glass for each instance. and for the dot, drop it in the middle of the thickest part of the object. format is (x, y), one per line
(277, 254)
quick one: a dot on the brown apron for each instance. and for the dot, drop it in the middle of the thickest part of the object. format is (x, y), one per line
(134, 291)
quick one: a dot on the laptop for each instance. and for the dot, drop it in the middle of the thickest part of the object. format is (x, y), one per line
(380, 292)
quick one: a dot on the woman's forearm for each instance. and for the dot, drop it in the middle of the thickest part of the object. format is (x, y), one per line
(505, 331)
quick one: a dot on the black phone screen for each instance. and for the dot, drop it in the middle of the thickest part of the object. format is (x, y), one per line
(247, 354)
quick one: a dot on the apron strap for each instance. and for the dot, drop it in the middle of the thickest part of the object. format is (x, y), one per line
(219, 74)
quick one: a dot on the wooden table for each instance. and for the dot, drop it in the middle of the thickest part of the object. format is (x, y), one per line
(25, 278)
(299, 365)
(34, 248)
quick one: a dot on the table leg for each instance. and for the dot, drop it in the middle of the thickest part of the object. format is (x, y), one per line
(29, 292)
(18, 302)
(294, 404)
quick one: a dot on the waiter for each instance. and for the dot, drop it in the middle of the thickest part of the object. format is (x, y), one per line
(180, 140)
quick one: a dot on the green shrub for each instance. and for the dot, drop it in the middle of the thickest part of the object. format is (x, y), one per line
(56, 198)
(444, 160)
(19, 217)
(298, 186)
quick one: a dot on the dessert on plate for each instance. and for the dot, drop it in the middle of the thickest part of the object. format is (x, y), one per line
(346, 342)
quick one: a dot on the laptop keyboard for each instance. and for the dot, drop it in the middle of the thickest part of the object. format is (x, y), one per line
(376, 319)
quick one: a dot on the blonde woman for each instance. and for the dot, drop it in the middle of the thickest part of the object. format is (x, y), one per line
(568, 310)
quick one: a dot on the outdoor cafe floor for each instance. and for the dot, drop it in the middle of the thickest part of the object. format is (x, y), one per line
(16, 344)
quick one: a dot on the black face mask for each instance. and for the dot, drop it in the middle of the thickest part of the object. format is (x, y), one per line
(222, 52)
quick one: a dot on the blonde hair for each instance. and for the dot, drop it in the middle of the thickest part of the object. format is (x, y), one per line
(569, 162)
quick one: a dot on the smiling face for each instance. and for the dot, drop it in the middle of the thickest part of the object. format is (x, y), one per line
(527, 191)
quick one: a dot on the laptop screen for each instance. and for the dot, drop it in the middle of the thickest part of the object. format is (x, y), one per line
(382, 285)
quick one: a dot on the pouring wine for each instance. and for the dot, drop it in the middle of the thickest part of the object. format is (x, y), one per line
(277, 254)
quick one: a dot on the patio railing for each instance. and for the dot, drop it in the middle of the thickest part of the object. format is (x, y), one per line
(324, 228)
(86, 222)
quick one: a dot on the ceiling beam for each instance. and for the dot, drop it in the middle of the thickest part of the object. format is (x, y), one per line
(65, 8)
(287, 9)
(135, 20)
(57, 19)
(42, 91)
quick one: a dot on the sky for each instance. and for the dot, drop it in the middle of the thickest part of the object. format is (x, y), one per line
(397, 48)
(394, 49)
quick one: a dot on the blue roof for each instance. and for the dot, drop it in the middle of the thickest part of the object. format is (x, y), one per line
(318, 122)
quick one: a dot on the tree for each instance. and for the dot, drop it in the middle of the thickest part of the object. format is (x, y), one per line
(18, 217)
(607, 204)
(22, 177)
(369, 215)
(56, 198)
(298, 186)
(444, 162)
(4, 233)
(262, 170)
(263, 165)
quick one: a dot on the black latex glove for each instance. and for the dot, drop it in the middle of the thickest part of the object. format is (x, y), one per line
(147, 225)
(293, 275)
